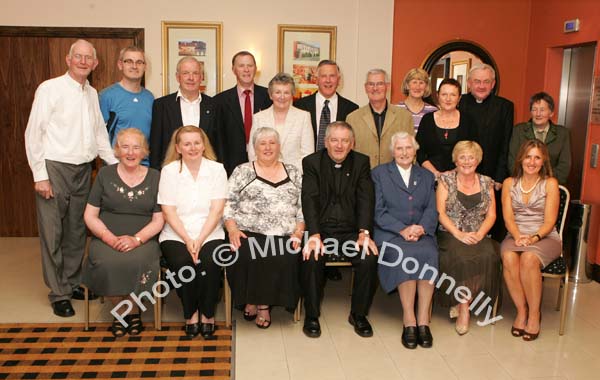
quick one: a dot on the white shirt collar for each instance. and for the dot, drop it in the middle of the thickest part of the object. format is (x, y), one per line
(196, 101)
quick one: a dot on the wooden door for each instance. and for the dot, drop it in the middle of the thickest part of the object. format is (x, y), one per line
(32, 55)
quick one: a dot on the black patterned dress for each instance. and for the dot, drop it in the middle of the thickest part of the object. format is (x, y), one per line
(266, 271)
(474, 266)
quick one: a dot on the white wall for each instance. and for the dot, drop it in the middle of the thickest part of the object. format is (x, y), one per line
(364, 28)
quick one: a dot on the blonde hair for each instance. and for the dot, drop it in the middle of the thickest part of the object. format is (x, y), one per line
(133, 132)
(173, 155)
(467, 146)
(418, 74)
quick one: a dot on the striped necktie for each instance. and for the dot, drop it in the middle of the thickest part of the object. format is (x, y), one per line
(323, 123)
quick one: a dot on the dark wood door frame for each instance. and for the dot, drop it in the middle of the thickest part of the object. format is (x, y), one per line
(137, 34)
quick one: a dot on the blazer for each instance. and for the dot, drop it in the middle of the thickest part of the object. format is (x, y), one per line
(318, 193)
(166, 118)
(398, 206)
(558, 141)
(365, 132)
(309, 103)
(493, 119)
(230, 124)
(295, 136)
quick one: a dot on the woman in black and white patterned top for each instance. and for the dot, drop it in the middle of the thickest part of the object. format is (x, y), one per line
(263, 217)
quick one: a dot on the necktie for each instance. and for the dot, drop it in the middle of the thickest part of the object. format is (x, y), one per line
(247, 115)
(323, 123)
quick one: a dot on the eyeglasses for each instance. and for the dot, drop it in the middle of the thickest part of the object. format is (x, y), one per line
(375, 84)
(128, 61)
(486, 82)
(80, 57)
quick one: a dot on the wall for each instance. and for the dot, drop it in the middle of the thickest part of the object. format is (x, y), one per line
(362, 26)
(501, 27)
(544, 64)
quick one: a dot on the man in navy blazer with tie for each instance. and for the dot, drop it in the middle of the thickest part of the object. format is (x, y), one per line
(235, 109)
(338, 107)
(187, 106)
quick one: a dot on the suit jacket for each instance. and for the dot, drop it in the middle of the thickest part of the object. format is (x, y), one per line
(365, 131)
(309, 103)
(230, 124)
(558, 141)
(398, 206)
(319, 194)
(166, 118)
(295, 135)
(494, 121)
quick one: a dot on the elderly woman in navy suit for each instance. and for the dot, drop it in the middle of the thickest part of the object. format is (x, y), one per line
(405, 224)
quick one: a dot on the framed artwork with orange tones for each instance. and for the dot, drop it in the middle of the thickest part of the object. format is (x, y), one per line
(300, 48)
(201, 40)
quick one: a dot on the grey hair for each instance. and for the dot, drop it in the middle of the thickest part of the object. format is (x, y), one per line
(264, 132)
(338, 124)
(378, 71)
(482, 66)
(282, 78)
(403, 135)
(131, 48)
(189, 59)
(81, 40)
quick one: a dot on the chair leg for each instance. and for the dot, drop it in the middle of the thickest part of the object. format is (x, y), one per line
(560, 288)
(298, 311)
(157, 310)
(86, 308)
(227, 299)
(563, 306)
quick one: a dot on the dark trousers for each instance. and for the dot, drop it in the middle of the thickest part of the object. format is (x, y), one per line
(61, 227)
(312, 274)
(498, 230)
(202, 293)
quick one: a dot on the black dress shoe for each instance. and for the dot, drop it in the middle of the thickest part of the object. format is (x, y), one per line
(361, 325)
(333, 274)
(312, 327)
(207, 330)
(424, 337)
(192, 329)
(79, 294)
(63, 308)
(409, 337)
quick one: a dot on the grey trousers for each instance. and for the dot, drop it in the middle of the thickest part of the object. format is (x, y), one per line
(61, 227)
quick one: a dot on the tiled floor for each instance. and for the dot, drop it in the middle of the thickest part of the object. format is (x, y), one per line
(283, 352)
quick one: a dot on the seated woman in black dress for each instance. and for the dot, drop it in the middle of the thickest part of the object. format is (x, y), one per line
(439, 131)
(264, 205)
(465, 201)
(124, 218)
(192, 193)
(406, 218)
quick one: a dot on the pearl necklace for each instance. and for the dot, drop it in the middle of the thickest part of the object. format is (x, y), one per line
(532, 187)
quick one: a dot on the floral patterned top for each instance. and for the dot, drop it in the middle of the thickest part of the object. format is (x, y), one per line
(466, 219)
(260, 206)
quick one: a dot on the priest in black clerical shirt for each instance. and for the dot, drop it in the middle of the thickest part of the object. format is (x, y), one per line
(338, 202)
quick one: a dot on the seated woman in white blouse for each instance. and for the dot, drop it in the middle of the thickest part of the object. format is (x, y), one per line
(192, 193)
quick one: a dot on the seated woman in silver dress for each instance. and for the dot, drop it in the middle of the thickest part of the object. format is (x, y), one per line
(530, 201)
(263, 217)
(465, 201)
(124, 219)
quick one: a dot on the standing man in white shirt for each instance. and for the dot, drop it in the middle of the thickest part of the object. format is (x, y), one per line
(187, 106)
(64, 135)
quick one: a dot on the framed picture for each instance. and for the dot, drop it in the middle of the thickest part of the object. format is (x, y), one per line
(300, 48)
(201, 40)
(460, 70)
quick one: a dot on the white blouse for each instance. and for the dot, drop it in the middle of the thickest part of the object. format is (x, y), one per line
(192, 197)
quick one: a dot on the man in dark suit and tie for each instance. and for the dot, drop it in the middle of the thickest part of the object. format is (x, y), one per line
(326, 106)
(235, 109)
(338, 204)
(187, 106)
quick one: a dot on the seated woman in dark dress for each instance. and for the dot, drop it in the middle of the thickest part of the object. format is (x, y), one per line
(406, 218)
(264, 205)
(192, 193)
(124, 218)
(530, 201)
(465, 201)
(439, 131)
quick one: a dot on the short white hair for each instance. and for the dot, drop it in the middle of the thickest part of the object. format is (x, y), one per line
(482, 66)
(264, 132)
(403, 135)
(378, 71)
